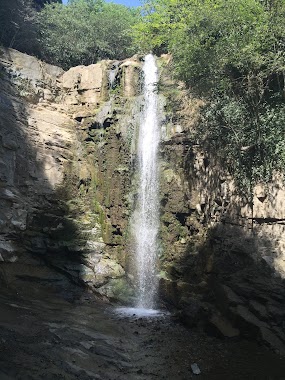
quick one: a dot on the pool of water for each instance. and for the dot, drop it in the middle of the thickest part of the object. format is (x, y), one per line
(140, 312)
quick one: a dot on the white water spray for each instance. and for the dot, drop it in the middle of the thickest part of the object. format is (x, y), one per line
(113, 73)
(147, 216)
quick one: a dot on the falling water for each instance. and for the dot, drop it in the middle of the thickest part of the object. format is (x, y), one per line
(113, 73)
(147, 217)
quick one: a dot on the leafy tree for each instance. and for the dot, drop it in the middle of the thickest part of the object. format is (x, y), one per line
(18, 25)
(85, 31)
(232, 53)
(40, 3)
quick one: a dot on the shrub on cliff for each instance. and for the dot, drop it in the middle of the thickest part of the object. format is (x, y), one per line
(85, 31)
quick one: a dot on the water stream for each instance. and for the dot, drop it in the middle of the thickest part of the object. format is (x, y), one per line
(147, 216)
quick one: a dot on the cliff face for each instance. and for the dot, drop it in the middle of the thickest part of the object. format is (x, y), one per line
(64, 164)
(68, 188)
(223, 256)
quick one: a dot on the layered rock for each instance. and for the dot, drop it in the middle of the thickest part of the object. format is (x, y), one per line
(223, 255)
(63, 172)
(68, 189)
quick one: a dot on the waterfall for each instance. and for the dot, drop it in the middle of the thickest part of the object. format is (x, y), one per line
(147, 215)
(113, 73)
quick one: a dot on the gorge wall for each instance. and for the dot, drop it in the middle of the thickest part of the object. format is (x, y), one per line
(218, 247)
(68, 188)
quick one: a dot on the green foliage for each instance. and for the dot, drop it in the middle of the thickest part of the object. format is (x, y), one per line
(85, 31)
(18, 25)
(232, 53)
(210, 39)
(41, 3)
(82, 32)
(251, 152)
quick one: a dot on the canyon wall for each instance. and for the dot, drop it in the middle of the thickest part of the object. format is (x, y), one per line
(223, 255)
(68, 188)
(65, 158)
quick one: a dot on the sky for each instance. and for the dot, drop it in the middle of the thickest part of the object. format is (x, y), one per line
(129, 3)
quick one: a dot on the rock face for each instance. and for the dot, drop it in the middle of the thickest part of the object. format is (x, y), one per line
(68, 188)
(219, 252)
(64, 169)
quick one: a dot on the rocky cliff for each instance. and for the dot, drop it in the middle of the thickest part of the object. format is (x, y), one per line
(68, 188)
(223, 254)
(64, 164)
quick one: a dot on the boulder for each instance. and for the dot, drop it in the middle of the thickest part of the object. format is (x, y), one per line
(272, 340)
(193, 312)
(221, 327)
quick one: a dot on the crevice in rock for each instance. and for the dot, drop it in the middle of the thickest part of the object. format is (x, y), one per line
(267, 220)
(181, 217)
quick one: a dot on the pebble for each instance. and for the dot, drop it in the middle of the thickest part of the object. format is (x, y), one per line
(195, 369)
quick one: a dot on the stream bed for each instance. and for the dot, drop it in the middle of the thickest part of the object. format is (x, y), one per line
(45, 335)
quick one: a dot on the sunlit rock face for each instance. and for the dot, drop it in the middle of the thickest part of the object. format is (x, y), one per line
(64, 171)
(68, 187)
